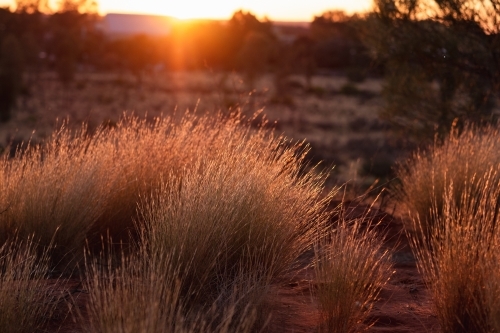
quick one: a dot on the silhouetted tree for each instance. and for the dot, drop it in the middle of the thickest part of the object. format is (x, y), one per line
(240, 26)
(303, 58)
(81, 6)
(442, 62)
(11, 75)
(254, 56)
(32, 6)
(139, 53)
(68, 30)
(337, 41)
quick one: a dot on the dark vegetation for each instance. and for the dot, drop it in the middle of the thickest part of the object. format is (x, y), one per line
(438, 67)
(441, 62)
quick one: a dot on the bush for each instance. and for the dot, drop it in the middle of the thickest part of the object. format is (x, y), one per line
(80, 186)
(145, 297)
(349, 89)
(242, 211)
(431, 81)
(55, 192)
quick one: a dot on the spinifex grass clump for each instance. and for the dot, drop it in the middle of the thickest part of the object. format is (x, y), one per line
(492, 274)
(143, 295)
(54, 192)
(26, 300)
(351, 267)
(455, 256)
(81, 185)
(427, 176)
(244, 210)
(453, 194)
(228, 213)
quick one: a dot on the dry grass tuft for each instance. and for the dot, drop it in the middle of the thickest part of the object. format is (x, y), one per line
(453, 193)
(55, 193)
(84, 185)
(144, 296)
(427, 176)
(26, 301)
(222, 212)
(455, 255)
(244, 211)
(351, 267)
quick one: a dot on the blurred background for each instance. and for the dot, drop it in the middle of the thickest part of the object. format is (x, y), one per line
(364, 83)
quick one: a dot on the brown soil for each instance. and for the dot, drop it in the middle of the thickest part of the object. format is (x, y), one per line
(403, 306)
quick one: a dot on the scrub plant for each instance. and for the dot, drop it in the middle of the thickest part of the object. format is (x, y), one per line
(143, 294)
(84, 185)
(245, 211)
(55, 193)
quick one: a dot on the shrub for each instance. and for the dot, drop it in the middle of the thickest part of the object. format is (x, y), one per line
(229, 211)
(351, 267)
(349, 89)
(243, 189)
(11, 75)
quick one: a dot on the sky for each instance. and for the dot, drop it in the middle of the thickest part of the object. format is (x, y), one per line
(277, 10)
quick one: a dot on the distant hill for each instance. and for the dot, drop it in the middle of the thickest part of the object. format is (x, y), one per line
(129, 24)
(117, 25)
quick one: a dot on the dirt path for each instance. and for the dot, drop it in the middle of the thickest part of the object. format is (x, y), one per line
(403, 306)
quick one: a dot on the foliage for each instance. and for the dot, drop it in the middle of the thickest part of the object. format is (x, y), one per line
(441, 62)
(303, 58)
(142, 294)
(254, 57)
(55, 192)
(338, 41)
(205, 212)
(73, 185)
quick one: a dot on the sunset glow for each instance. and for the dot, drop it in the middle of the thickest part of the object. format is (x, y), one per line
(280, 10)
